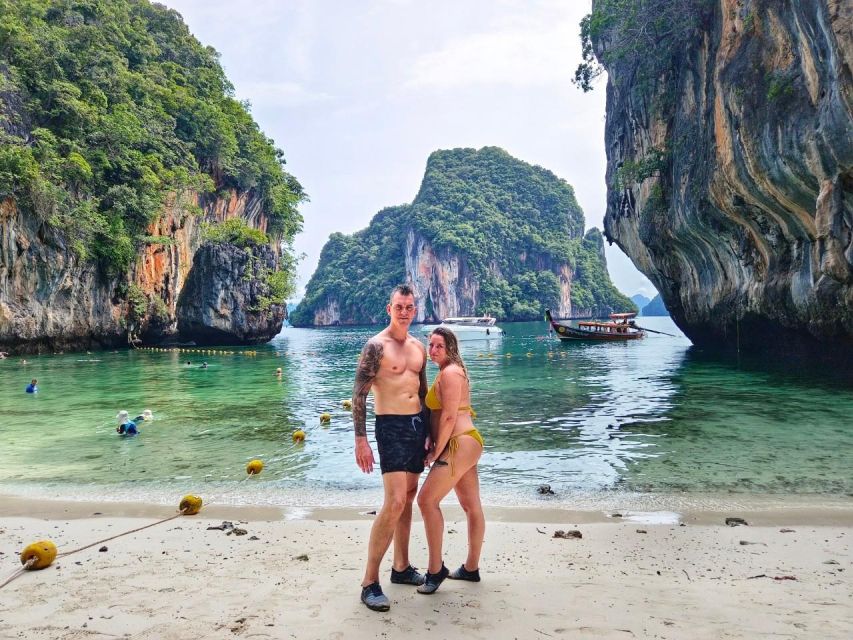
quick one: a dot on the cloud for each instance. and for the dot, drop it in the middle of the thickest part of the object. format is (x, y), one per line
(280, 94)
(530, 54)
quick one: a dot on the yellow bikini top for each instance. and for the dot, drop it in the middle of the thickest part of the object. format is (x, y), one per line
(434, 404)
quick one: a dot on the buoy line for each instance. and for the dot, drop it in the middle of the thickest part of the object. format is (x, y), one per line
(41, 554)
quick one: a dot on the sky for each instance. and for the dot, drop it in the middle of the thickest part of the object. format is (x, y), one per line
(358, 94)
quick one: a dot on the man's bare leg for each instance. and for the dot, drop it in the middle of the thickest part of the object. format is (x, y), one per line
(396, 486)
(404, 526)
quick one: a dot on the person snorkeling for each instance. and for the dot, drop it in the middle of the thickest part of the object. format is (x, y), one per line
(126, 426)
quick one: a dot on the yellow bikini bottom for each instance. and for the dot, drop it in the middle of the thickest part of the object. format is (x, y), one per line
(453, 445)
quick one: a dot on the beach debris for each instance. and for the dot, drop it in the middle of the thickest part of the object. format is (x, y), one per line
(743, 543)
(538, 530)
(103, 549)
(641, 531)
(545, 490)
(787, 531)
(735, 522)
(254, 538)
(237, 531)
(571, 533)
(780, 578)
(303, 557)
(831, 562)
(225, 526)
(615, 515)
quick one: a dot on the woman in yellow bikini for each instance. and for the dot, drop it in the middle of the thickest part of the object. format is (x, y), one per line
(457, 449)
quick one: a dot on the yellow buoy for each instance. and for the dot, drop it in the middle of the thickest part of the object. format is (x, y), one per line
(299, 435)
(325, 418)
(347, 404)
(190, 505)
(43, 553)
(254, 467)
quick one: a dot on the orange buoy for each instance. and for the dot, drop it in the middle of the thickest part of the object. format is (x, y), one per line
(190, 505)
(42, 553)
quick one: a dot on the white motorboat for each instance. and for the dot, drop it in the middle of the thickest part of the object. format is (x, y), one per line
(469, 327)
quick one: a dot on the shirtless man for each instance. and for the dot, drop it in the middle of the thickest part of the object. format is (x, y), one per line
(393, 365)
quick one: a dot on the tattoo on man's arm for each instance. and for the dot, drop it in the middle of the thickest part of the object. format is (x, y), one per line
(368, 367)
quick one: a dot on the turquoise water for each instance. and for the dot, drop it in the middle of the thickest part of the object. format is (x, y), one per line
(653, 417)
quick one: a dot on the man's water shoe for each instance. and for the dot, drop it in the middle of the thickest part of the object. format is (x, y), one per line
(372, 596)
(463, 574)
(433, 580)
(409, 575)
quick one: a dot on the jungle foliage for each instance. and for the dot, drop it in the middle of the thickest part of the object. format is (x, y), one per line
(106, 106)
(650, 34)
(514, 226)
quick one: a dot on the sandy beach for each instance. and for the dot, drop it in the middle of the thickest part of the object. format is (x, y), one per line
(287, 577)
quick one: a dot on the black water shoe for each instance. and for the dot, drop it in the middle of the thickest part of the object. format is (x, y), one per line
(372, 596)
(409, 575)
(463, 574)
(433, 580)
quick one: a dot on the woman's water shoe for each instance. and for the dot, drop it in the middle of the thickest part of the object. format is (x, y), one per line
(463, 574)
(409, 575)
(433, 580)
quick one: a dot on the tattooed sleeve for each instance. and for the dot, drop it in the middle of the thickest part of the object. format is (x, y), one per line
(368, 367)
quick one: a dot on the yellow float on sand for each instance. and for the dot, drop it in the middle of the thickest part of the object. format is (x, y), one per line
(299, 435)
(42, 553)
(254, 467)
(190, 505)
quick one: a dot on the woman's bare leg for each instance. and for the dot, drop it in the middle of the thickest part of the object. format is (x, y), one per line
(468, 492)
(438, 484)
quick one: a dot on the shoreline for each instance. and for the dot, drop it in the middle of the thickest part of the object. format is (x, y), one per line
(757, 509)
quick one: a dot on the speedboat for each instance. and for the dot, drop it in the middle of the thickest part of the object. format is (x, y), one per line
(469, 327)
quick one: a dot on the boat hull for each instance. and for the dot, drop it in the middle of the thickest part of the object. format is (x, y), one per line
(568, 333)
(468, 333)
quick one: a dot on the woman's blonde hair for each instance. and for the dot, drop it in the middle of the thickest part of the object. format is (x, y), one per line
(451, 346)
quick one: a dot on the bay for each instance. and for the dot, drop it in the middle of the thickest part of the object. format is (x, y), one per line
(651, 419)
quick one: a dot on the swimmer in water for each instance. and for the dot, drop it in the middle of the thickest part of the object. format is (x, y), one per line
(203, 365)
(32, 387)
(145, 416)
(126, 426)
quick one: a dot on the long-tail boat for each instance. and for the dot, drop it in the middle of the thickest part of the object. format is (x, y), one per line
(620, 327)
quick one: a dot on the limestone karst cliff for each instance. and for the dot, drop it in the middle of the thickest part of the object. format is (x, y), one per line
(730, 164)
(123, 153)
(486, 233)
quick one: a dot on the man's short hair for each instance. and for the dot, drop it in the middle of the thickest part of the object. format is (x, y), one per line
(402, 289)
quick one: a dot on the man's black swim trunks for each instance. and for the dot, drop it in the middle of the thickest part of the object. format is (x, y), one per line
(400, 440)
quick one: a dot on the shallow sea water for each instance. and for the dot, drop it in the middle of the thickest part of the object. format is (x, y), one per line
(649, 419)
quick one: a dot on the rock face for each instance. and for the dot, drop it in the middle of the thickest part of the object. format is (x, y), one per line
(222, 301)
(730, 174)
(486, 234)
(52, 301)
(49, 299)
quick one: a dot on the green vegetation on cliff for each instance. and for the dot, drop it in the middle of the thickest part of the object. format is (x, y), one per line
(514, 226)
(106, 106)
